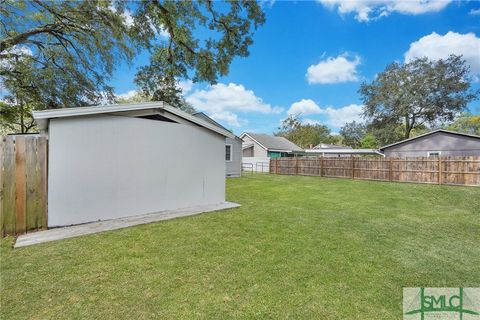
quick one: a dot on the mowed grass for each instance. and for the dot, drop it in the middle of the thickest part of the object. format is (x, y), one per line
(299, 247)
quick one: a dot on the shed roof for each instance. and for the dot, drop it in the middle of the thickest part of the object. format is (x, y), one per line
(272, 143)
(430, 133)
(42, 117)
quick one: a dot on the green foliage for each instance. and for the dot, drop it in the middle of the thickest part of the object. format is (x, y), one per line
(175, 100)
(304, 135)
(369, 142)
(466, 123)
(417, 93)
(15, 118)
(353, 133)
(61, 54)
(228, 28)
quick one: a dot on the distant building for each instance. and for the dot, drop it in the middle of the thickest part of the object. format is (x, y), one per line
(321, 146)
(436, 143)
(266, 146)
(332, 150)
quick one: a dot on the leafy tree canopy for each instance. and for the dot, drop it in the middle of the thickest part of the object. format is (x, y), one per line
(417, 93)
(466, 123)
(228, 27)
(63, 53)
(353, 133)
(305, 135)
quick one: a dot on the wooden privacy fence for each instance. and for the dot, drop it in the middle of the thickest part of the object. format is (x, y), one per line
(442, 170)
(23, 184)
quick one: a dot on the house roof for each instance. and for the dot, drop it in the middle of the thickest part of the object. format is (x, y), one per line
(272, 143)
(339, 151)
(430, 133)
(42, 117)
(330, 146)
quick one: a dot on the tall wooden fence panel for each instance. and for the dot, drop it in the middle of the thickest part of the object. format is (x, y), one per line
(444, 170)
(23, 184)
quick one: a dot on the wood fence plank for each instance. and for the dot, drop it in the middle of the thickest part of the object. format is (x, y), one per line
(20, 190)
(452, 170)
(42, 162)
(9, 186)
(32, 210)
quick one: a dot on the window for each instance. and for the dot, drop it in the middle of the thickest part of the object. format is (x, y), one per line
(228, 152)
(434, 153)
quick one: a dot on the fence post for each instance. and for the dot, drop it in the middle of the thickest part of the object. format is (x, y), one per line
(353, 166)
(390, 169)
(296, 166)
(321, 166)
(439, 170)
(276, 165)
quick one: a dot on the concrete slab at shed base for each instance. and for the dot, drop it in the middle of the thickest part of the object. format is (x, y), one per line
(100, 226)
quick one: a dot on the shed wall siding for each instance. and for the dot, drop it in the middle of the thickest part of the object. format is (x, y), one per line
(448, 144)
(110, 167)
(234, 167)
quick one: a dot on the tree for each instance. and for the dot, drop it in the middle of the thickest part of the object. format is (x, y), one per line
(369, 142)
(227, 30)
(304, 135)
(175, 100)
(417, 93)
(466, 123)
(353, 133)
(62, 53)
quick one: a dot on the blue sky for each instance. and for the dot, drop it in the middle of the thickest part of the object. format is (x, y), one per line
(310, 58)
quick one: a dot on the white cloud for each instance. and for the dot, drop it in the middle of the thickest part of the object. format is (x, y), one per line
(185, 85)
(228, 117)
(435, 46)
(229, 97)
(366, 10)
(475, 12)
(311, 121)
(221, 101)
(127, 95)
(304, 107)
(336, 117)
(334, 70)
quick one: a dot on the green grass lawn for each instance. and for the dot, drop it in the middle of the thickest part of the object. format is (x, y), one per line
(299, 247)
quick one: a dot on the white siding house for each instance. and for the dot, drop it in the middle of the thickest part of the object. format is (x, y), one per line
(124, 160)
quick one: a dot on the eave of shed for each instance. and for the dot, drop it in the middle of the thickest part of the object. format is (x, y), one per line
(42, 117)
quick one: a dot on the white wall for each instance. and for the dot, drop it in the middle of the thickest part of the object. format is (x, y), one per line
(107, 167)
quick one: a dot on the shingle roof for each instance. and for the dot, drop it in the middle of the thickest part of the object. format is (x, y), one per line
(429, 133)
(272, 142)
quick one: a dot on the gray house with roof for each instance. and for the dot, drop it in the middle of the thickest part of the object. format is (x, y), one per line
(435, 143)
(266, 146)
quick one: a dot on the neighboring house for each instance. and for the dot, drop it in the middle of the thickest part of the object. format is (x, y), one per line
(233, 149)
(322, 146)
(266, 146)
(108, 162)
(436, 143)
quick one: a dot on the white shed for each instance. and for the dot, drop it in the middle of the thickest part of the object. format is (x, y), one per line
(116, 161)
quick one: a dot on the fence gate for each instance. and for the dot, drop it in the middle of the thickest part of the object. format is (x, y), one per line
(23, 184)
